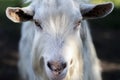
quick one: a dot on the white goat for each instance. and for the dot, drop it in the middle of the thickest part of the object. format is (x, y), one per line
(56, 43)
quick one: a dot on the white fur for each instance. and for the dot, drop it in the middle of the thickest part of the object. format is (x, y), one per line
(57, 34)
(57, 41)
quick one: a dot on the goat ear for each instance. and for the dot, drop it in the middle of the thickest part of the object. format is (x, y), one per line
(90, 11)
(17, 14)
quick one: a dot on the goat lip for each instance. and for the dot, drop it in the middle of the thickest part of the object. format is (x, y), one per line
(58, 76)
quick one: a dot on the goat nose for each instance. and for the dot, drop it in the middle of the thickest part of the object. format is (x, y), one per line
(56, 67)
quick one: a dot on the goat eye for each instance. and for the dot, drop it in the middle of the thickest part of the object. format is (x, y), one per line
(38, 24)
(77, 25)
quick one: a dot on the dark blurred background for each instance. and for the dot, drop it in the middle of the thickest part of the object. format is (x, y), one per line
(105, 33)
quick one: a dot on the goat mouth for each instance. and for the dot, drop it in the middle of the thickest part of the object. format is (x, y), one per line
(56, 76)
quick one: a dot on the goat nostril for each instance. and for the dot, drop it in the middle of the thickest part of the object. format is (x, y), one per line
(56, 66)
(64, 65)
(49, 65)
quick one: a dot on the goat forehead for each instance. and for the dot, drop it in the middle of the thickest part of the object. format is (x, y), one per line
(58, 22)
(57, 3)
(57, 16)
(53, 8)
(60, 16)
